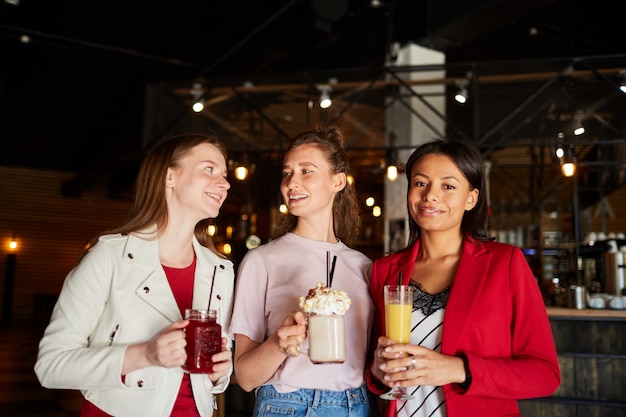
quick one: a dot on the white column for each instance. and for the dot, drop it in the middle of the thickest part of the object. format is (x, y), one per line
(408, 130)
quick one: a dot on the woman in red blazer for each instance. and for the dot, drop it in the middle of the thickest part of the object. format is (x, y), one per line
(481, 338)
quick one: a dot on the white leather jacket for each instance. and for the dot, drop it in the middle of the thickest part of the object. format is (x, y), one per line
(116, 296)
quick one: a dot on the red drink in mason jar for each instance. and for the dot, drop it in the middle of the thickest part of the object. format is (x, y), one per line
(204, 339)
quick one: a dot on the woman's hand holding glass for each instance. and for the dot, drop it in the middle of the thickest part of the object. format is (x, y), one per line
(422, 366)
(292, 333)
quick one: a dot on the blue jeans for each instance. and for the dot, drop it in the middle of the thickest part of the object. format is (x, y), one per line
(354, 402)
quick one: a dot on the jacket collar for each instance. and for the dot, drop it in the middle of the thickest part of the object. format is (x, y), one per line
(142, 248)
(470, 277)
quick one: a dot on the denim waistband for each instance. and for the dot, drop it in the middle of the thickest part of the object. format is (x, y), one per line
(316, 397)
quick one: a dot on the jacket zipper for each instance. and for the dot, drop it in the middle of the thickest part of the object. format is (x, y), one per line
(112, 337)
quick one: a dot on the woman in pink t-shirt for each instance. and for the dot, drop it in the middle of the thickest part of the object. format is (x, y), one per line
(271, 344)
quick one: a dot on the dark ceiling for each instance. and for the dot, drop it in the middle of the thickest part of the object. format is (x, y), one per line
(74, 73)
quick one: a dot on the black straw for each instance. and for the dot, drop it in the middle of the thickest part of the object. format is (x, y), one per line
(327, 273)
(212, 283)
(400, 278)
(332, 272)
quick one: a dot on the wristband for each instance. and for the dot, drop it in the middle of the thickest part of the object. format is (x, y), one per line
(468, 377)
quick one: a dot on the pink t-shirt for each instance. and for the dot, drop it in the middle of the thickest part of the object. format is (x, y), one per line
(270, 280)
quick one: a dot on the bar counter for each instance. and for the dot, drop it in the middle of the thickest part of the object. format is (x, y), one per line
(591, 344)
(587, 313)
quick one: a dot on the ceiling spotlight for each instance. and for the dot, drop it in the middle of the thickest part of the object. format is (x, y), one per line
(622, 81)
(559, 152)
(198, 105)
(578, 119)
(197, 92)
(579, 130)
(461, 95)
(325, 101)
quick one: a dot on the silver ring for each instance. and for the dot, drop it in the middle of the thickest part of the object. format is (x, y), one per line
(413, 361)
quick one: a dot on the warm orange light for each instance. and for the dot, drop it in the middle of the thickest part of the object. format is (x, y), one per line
(241, 173)
(227, 249)
(568, 169)
(392, 172)
(13, 244)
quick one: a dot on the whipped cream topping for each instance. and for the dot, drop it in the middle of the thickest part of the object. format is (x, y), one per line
(325, 301)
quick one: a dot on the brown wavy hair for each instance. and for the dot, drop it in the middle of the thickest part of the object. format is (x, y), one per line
(346, 213)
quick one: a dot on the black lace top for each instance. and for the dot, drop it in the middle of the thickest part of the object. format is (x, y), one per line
(428, 303)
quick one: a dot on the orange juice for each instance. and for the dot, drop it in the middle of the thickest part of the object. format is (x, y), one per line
(398, 322)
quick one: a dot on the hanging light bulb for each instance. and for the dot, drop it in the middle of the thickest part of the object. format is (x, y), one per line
(13, 243)
(568, 163)
(392, 172)
(241, 172)
(243, 167)
(568, 169)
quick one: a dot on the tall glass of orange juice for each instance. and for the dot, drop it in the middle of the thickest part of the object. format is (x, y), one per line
(398, 311)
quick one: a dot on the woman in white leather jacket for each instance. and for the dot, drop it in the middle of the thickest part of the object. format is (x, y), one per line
(116, 332)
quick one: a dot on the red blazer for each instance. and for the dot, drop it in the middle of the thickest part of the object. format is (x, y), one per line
(496, 316)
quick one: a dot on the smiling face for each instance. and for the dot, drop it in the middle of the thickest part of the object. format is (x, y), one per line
(197, 186)
(308, 186)
(439, 194)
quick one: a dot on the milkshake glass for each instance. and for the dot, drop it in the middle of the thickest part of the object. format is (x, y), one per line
(327, 340)
(325, 309)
